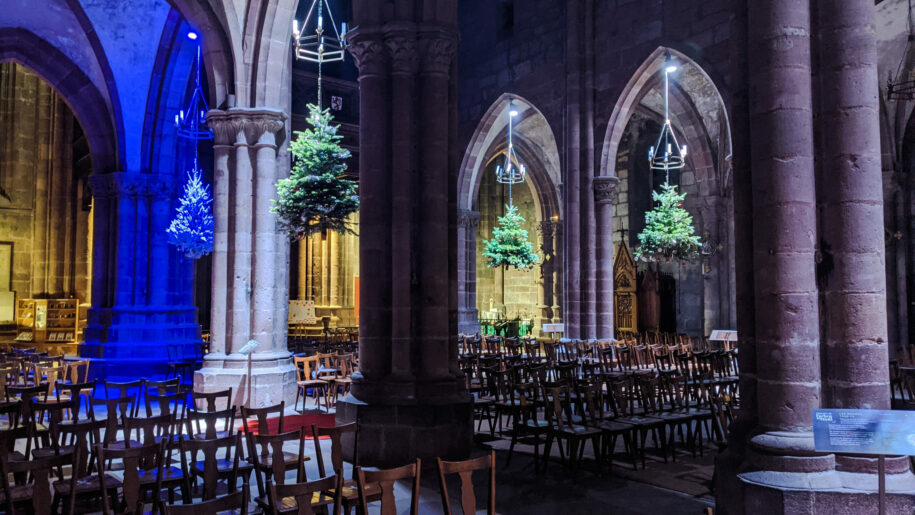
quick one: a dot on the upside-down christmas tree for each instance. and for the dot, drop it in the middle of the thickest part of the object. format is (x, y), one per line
(316, 197)
(192, 228)
(509, 246)
(669, 233)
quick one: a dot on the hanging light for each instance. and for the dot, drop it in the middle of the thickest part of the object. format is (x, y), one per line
(902, 86)
(191, 122)
(512, 172)
(322, 46)
(667, 154)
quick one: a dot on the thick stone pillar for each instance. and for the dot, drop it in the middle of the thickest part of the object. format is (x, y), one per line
(604, 198)
(548, 262)
(856, 368)
(468, 315)
(245, 290)
(133, 321)
(407, 398)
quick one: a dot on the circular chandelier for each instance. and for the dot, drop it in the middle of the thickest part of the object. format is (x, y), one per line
(512, 172)
(667, 154)
(323, 45)
(191, 122)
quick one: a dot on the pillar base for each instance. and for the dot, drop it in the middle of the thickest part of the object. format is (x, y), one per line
(272, 378)
(468, 321)
(780, 474)
(395, 434)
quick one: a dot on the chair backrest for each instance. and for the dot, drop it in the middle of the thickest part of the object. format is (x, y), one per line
(209, 421)
(464, 469)
(75, 391)
(149, 429)
(84, 435)
(266, 448)
(209, 401)
(385, 480)
(328, 491)
(126, 390)
(149, 457)
(263, 416)
(169, 404)
(117, 410)
(162, 387)
(190, 449)
(336, 445)
(233, 501)
(48, 376)
(78, 371)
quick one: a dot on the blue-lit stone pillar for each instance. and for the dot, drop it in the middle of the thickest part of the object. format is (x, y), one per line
(133, 322)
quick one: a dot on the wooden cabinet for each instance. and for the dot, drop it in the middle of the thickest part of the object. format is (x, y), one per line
(47, 320)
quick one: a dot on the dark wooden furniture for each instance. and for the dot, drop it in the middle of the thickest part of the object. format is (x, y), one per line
(464, 469)
(385, 480)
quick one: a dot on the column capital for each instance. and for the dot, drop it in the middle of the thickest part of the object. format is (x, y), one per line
(160, 187)
(438, 49)
(259, 125)
(370, 53)
(605, 189)
(404, 55)
(546, 228)
(117, 184)
(469, 219)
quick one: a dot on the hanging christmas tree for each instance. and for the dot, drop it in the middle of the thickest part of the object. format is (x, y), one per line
(316, 197)
(669, 232)
(192, 229)
(509, 246)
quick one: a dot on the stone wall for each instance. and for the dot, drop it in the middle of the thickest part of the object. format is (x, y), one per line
(45, 217)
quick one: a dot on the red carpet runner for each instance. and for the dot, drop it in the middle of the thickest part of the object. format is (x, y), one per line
(294, 422)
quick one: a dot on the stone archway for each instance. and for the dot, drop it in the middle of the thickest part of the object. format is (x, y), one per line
(706, 293)
(536, 147)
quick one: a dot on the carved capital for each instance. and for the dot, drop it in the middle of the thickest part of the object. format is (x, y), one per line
(468, 219)
(225, 127)
(159, 187)
(605, 189)
(371, 56)
(546, 229)
(437, 53)
(102, 185)
(404, 55)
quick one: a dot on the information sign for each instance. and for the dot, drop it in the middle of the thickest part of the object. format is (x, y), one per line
(854, 431)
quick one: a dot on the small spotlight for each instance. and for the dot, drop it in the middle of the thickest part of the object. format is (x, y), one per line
(670, 69)
(513, 113)
(192, 35)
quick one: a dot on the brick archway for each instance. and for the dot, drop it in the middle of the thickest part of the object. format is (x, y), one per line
(78, 91)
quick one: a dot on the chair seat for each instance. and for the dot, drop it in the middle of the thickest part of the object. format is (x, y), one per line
(19, 493)
(46, 452)
(289, 458)
(612, 426)
(351, 492)
(87, 484)
(168, 474)
(223, 466)
(578, 431)
(312, 382)
(123, 444)
(641, 421)
(288, 504)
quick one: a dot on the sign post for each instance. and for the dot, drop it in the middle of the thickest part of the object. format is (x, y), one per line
(870, 432)
(248, 350)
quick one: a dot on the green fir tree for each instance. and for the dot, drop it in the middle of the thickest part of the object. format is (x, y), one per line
(509, 246)
(669, 233)
(316, 197)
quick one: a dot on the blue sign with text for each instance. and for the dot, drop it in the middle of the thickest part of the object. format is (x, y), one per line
(863, 431)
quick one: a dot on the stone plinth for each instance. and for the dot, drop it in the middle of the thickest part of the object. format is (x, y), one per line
(388, 433)
(272, 378)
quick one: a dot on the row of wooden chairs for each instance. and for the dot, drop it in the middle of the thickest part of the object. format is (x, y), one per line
(323, 376)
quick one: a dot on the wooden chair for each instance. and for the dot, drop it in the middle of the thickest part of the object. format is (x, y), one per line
(304, 498)
(143, 470)
(270, 461)
(464, 469)
(212, 468)
(561, 425)
(307, 377)
(75, 392)
(158, 389)
(37, 495)
(84, 436)
(126, 390)
(233, 501)
(350, 494)
(385, 480)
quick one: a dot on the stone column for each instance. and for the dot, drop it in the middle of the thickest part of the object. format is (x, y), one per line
(784, 242)
(224, 135)
(604, 198)
(559, 258)
(245, 293)
(468, 316)
(856, 371)
(547, 265)
(159, 192)
(406, 397)
(126, 204)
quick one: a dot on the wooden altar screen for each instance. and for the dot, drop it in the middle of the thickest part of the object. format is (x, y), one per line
(625, 302)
